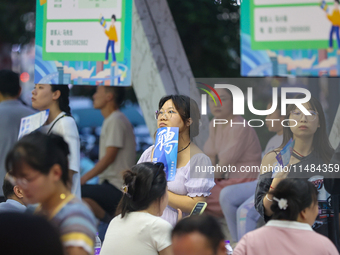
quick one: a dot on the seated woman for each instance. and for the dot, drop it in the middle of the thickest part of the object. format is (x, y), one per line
(311, 149)
(184, 192)
(234, 145)
(294, 207)
(138, 229)
(39, 166)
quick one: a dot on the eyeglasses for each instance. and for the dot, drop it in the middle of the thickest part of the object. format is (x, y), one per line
(22, 182)
(297, 115)
(166, 113)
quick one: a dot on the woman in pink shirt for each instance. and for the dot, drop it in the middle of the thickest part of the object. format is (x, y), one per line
(234, 144)
(294, 207)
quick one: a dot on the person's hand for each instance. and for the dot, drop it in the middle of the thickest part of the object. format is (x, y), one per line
(179, 214)
(83, 180)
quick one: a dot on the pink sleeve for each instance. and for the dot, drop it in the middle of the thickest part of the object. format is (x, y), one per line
(235, 143)
(240, 248)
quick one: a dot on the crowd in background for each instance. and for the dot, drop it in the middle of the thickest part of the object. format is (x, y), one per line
(42, 183)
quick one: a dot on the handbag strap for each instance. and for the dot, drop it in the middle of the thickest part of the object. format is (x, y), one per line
(49, 131)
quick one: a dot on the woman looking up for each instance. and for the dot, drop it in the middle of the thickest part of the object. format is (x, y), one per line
(184, 192)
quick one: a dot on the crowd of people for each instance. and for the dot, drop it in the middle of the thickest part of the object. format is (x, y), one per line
(146, 213)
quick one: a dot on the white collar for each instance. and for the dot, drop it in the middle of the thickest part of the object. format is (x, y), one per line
(289, 224)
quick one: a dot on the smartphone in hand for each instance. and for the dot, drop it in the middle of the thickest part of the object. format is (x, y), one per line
(198, 208)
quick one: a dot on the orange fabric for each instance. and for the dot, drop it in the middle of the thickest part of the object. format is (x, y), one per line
(112, 33)
(334, 18)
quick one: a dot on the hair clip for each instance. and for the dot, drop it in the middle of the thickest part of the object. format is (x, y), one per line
(125, 190)
(282, 202)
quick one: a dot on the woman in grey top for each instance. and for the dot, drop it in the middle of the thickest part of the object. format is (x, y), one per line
(311, 151)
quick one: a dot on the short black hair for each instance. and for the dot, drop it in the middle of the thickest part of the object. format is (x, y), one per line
(113, 17)
(187, 108)
(9, 83)
(118, 94)
(41, 152)
(8, 189)
(336, 1)
(20, 232)
(206, 225)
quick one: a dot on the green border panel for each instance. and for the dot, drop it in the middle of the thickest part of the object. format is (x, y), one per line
(282, 45)
(84, 56)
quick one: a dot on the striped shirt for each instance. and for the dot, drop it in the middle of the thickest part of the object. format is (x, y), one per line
(75, 222)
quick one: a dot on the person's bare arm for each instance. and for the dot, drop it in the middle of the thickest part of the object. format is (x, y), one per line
(166, 251)
(102, 164)
(267, 166)
(183, 202)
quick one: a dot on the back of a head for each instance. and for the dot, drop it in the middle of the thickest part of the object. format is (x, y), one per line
(40, 152)
(297, 194)
(118, 94)
(29, 235)
(63, 100)
(7, 189)
(9, 83)
(145, 184)
(204, 224)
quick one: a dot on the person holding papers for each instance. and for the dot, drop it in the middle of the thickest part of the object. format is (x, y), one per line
(184, 192)
(55, 98)
(311, 150)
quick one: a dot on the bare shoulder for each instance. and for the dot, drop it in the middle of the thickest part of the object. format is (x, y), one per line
(268, 161)
(194, 149)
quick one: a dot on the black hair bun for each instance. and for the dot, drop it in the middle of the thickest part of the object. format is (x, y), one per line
(60, 143)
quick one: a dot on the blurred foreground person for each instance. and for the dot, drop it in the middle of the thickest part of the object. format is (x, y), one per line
(198, 235)
(138, 229)
(295, 208)
(39, 166)
(11, 112)
(24, 234)
(14, 198)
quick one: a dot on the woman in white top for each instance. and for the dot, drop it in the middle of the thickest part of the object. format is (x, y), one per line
(190, 186)
(55, 98)
(138, 229)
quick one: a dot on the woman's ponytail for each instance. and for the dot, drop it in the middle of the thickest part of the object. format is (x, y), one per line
(63, 100)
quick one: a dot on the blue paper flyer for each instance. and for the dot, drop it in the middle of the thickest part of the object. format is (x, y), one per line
(32, 122)
(165, 151)
(284, 156)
